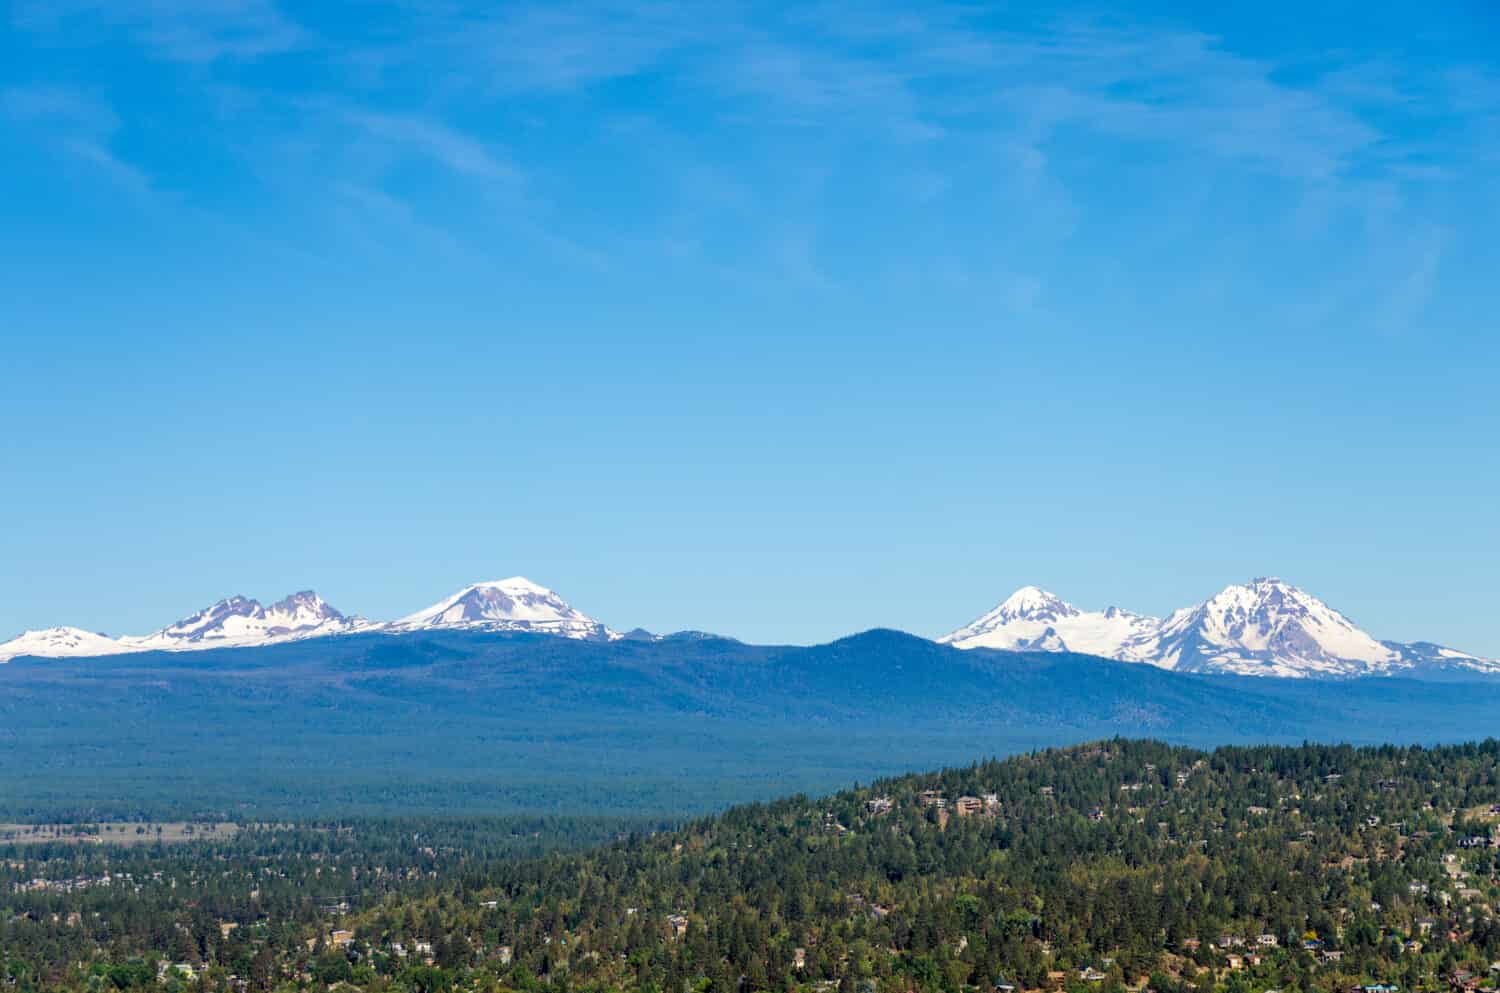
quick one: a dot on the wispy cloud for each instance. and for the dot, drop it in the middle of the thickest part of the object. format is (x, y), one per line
(76, 124)
(117, 170)
(936, 106)
(438, 142)
(197, 31)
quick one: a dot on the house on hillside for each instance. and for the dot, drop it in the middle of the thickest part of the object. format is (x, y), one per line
(968, 806)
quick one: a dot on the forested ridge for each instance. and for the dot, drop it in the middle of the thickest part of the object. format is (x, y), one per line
(1122, 864)
(496, 724)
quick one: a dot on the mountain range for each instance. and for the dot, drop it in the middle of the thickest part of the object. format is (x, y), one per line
(515, 604)
(1266, 627)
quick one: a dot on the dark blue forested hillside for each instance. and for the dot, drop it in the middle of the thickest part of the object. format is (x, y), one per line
(458, 721)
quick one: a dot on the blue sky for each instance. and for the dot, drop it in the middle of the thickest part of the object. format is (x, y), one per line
(778, 320)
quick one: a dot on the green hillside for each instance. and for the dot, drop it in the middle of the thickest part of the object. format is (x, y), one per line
(1111, 866)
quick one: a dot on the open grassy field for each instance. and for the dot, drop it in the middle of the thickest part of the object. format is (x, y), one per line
(122, 833)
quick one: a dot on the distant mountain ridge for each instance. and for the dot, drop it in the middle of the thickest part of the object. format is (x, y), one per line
(1266, 627)
(514, 604)
(460, 718)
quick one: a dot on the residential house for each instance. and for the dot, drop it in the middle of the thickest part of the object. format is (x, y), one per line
(968, 806)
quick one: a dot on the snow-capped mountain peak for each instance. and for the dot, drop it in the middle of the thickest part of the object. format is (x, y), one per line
(1034, 604)
(514, 604)
(1269, 626)
(1031, 619)
(60, 642)
(239, 620)
(1266, 627)
(302, 609)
